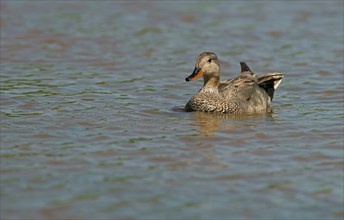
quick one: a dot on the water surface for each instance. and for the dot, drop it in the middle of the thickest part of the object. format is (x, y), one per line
(92, 120)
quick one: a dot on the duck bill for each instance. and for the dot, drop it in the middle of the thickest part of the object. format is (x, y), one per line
(197, 73)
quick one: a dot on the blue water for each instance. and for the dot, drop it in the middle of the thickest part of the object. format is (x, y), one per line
(92, 120)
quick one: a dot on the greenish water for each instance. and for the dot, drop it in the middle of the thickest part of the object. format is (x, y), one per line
(92, 120)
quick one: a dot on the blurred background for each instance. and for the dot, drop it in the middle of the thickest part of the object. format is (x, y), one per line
(92, 121)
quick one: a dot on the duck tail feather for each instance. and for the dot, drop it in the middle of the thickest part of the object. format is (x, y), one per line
(269, 82)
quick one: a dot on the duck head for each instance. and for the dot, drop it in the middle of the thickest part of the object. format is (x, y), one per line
(207, 65)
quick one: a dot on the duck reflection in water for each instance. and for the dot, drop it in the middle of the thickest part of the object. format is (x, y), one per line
(208, 123)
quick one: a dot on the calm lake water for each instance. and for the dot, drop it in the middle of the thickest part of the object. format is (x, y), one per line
(92, 120)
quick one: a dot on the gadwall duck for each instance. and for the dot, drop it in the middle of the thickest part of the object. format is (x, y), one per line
(245, 94)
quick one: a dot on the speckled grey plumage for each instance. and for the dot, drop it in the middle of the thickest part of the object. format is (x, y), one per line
(245, 94)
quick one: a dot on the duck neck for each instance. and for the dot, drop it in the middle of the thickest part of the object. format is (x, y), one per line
(211, 82)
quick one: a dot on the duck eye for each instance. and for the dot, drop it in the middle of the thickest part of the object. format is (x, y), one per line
(209, 61)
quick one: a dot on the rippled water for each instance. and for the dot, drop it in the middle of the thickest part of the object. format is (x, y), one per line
(92, 120)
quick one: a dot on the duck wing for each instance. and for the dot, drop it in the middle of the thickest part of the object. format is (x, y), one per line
(243, 86)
